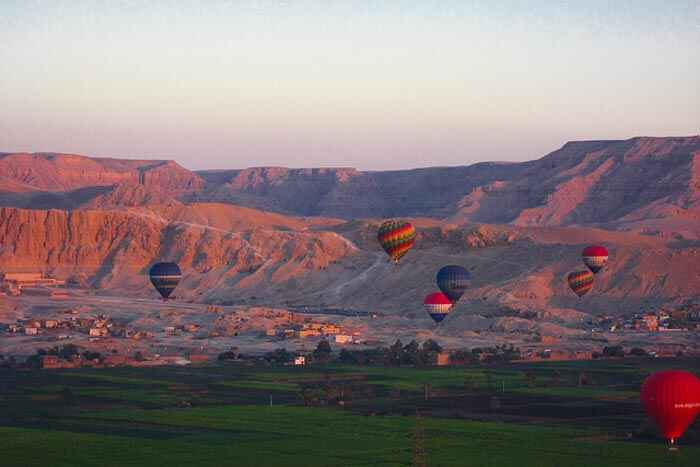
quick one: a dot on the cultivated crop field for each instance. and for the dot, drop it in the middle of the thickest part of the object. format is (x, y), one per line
(544, 414)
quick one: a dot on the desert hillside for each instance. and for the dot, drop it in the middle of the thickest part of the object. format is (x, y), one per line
(258, 258)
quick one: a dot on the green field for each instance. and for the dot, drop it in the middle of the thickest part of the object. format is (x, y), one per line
(231, 415)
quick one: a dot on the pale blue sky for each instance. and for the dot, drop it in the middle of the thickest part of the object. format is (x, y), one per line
(373, 85)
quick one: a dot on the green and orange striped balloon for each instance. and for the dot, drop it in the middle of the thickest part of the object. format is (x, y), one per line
(396, 237)
(580, 282)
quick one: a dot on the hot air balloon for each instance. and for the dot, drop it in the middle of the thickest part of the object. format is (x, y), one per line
(437, 305)
(396, 237)
(672, 399)
(453, 281)
(580, 282)
(595, 257)
(165, 277)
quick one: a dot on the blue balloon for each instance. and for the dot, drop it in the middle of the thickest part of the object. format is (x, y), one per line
(165, 277)
(453, 281)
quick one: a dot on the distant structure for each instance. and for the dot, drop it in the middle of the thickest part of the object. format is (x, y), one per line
(651, 322)
(343, 339)
(443, 359)
(14, 282)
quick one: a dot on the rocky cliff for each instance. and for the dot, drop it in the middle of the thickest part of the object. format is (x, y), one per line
(615, 184)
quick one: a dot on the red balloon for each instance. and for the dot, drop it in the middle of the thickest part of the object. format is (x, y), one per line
(595, 250)
(437, 305)
(672, 400)
(595, 257)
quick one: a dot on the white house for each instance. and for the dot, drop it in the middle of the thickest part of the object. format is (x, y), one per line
(343, 339)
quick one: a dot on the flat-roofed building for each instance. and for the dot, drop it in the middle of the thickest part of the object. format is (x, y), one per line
(98, 332)
(29, 279)
(443, 359)
(25, 277)
(343, 339)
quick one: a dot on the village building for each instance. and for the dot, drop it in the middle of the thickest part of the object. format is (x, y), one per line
(309, 333)
(443, 359)
(548, 340)
(50, 361)
(300, 360)
(101, 322)
(33, 323)
(330, 329)
(651, 322)
(28, 279)
(343, 339)
(98, 332)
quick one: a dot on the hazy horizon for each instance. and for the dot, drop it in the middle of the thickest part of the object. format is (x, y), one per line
(327, 84)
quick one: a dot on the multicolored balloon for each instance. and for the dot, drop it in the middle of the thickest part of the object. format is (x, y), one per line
(580, 282)
(437, 305)
(396, 237)
(165, 277)
(672, 399)
(453, 281)
(595, 257)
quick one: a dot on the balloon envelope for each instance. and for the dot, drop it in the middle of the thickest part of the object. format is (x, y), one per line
(595, 257)
(165, 277)
(580, 282)
(672, 399)
(437, 305)
(453, 281)
(396, 237)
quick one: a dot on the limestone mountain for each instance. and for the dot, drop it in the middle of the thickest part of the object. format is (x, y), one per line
(627, 184)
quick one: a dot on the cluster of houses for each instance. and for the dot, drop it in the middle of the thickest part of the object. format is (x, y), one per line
(663, 320)
(313, 329)
(95, 327)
